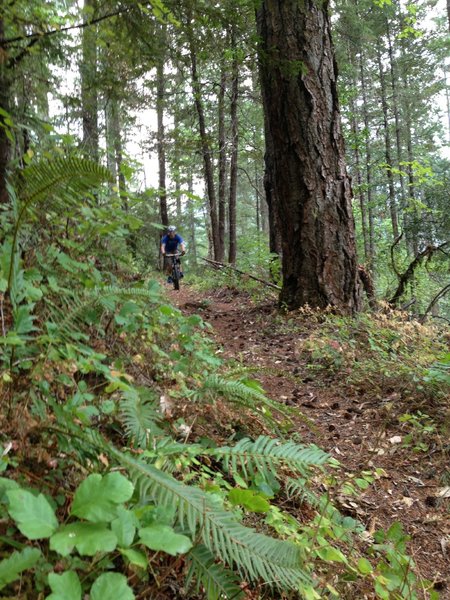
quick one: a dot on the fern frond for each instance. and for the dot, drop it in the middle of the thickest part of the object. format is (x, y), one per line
(268, 454)
(246, 392)
(139, 414)
(253, 554)
(298, 488)
(64, 318)
(217, 581)
(72, 177)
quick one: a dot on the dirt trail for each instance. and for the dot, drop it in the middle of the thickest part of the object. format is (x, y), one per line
(355, 431)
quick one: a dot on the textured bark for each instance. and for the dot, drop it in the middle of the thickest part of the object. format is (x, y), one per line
(206, 149)
(305, 159)
(88, 72)
(222, 162)
(5, 145)
(387, 146)
(160, 98)
(234, 153)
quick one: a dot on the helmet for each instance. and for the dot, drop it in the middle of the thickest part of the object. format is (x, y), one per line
(171, 228)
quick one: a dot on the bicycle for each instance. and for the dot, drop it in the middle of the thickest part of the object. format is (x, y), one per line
(176, 269)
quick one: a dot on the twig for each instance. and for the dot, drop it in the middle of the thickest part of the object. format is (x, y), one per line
(219, 265)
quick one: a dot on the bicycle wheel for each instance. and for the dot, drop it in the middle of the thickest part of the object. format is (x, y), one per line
(176, 277)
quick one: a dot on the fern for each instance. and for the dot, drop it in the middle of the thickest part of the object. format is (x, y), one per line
(67, 178)
(254, 555)
(217, 581)
(140, 415)
(267, 455)
(64, 319)
(246, 392)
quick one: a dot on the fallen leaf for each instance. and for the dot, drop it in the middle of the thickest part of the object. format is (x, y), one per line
(396, 439)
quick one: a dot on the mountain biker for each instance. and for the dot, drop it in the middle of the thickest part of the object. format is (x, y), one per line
(169, 245)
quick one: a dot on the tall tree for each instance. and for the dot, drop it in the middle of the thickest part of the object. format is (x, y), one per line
(306, 160)
(88, 72)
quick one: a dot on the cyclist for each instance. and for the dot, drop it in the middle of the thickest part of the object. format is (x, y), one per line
(169, 245)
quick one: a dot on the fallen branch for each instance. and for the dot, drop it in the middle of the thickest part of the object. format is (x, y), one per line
(438, 296)
(219, 265)
(409, 273)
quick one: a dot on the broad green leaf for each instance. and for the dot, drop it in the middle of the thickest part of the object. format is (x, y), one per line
(163, 537)
(249, 499)
(66, 586)
(329, 553)
(87, 538)
(124, 527)
(364, 566)
(113, 586)
(135, 557)
(6, 485)
(14, 565)
(33, 515)
(97, 497)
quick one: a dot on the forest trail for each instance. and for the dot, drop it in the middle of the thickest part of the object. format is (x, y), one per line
(359, 433)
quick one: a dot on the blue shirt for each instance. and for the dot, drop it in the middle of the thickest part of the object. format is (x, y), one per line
(171, 244)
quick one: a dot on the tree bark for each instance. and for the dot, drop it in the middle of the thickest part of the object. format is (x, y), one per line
(222, 161)
(369, 203)
(312, 192)
(88, 72)
(234, 152)
(387, 146)
(206, 149)
(160, 101)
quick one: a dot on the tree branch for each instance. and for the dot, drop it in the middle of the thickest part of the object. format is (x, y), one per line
(396, 241)
(438, 296)
(409, 273)
(219, 265)
(42, 34)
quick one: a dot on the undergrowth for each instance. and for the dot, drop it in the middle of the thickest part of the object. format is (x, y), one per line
(102, 491)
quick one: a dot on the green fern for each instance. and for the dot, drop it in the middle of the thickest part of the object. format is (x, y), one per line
(75, 308)
(217, 581)
(140, 415)
(67, 178)
(254, 555)
(268, 455)
(245, 392)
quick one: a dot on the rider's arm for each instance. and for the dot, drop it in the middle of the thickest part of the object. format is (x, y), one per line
(183, 248)
(163, 248)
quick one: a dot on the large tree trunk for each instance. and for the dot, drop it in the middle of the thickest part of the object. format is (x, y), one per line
(88, 72)
(312, 192)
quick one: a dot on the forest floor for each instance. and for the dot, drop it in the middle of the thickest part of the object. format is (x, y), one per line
(354, 428)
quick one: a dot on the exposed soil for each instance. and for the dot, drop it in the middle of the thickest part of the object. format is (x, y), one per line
(357, 431)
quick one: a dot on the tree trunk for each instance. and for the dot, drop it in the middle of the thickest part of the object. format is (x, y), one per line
(206, 149)
(312, 192)
(160, 101)
(88, 72)
(222, 162)
(191, 215)
(369, 203)
(387, 147)
(5, 144)
(234, 151)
